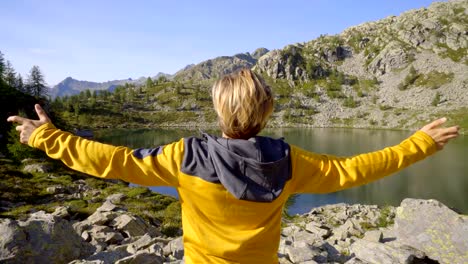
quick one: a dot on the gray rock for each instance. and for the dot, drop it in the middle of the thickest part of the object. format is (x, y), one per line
(105, 234)
(56, 189)
(109, 256)
(142, 258)
(116, 197)
(43, 238)
(375, 252)
(61, 211)
(142, 243)
(306, 253)
(433, 228)
(317, 230)
(39, 167)
(175, 248)
(101, 218)
(107, 206)
(350, 228)
(130, 225)
(373, 235)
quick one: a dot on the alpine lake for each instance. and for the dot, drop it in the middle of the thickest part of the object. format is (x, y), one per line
(443, 176)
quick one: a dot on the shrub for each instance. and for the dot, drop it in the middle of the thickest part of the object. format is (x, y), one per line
(350, 102)
(409, 80)
(19, 151)
(436, 99)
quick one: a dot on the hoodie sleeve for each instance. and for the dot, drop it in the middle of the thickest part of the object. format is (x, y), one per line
(316, 173)
(150, 167)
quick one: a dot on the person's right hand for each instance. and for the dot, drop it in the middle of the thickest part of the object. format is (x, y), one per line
(440, 135)
(27, 126)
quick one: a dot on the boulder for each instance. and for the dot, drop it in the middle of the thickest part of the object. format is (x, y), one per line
(374, 252)
(130, 225)
(142, 243)
(433, 228)
(37, 167)
(43, 238)
(142, 258)
(306, 253)
(175, 248)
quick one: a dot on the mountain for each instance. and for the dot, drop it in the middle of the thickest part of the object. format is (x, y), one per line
(394, 72)
(70, 86)
(219, 66)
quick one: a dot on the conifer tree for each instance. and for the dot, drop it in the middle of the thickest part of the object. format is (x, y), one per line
(36, 85)
(9, 74)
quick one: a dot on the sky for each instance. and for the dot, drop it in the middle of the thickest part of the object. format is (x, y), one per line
(108, 40)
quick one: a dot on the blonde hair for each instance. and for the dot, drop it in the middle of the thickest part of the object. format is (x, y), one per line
(243, 103)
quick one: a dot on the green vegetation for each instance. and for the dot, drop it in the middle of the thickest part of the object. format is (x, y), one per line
(387, 217)
(409, 80)
(436, 99)
(350, 102)
(32, 192)
(434, 79)
(455, 55)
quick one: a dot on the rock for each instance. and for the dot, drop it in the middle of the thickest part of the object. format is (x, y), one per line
(109, 256)
(306, 253)
(61, 211)
(100, 218)
(130, 225)
(56, 189)
(375, 252)
(373, 235)
(349, 228)
(38, 167)
(175, 248)
(142, 243)
(116, 197)
(107, 206)
(105, 234)
(317, 230)
(290, 230)
(336, 253)
(142, 258)
(433, 228)
(391, 57)
(43, 238)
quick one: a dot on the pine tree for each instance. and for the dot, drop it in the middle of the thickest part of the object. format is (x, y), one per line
(36, 84)
(9, 74)
(149, 83)
(20, 83)
(2, 67)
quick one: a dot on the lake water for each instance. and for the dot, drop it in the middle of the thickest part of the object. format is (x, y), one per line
(443, 176)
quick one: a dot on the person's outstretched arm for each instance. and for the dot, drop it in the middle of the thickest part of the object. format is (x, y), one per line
(316, 173)
(159, 166)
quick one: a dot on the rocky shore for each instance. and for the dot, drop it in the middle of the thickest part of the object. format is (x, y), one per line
(418, 231)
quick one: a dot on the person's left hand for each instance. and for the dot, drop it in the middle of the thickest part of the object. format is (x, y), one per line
(27, 126)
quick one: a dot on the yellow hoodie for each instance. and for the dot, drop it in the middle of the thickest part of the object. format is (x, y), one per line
(232, 191)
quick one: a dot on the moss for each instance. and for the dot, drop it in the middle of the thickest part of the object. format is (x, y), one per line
(434, 79)
(386, 218)
(455, 55)
(137, 192)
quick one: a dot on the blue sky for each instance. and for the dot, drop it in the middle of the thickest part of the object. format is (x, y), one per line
(108, 40)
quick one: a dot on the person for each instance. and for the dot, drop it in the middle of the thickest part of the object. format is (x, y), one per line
(232, 188)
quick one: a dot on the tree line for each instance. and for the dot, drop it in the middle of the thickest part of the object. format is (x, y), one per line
(34, 85)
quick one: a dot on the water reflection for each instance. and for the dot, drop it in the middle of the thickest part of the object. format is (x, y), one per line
(442, 177)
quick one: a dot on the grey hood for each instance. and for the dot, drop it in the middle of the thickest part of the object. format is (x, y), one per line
(255, 169)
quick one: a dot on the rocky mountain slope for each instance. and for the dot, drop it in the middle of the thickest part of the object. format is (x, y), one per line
(392, 72)
(70, 86)
(214, 68)
(397, 72)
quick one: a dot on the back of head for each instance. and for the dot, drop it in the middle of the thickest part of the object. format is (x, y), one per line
(243, 103)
